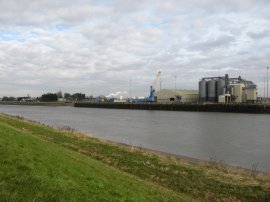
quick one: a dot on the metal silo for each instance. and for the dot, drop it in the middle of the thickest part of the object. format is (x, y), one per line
(220, 87)
(212, 90)
(203, 90)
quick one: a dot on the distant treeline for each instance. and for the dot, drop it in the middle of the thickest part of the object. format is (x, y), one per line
(53, 97)
(48, 97)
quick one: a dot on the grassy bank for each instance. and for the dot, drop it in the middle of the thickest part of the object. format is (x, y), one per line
(35, 169)
(38, 163)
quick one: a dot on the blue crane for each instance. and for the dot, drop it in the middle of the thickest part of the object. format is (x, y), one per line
(151, 97)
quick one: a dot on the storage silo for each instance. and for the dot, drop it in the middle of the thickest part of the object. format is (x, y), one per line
(237, 91)
(212, 90)
(220, 87)
(203, 90)
(251, 95)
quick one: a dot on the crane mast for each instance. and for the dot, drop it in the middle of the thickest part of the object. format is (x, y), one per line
(151, 97)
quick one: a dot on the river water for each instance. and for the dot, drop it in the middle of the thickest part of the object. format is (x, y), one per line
(237, 139)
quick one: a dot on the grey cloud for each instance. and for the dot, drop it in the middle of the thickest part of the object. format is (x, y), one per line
(214, 43)
(259, 35)
(29, 13)
(109, 43)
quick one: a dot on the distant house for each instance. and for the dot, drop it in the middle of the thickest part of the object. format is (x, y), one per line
(177, 96)
(61, 100)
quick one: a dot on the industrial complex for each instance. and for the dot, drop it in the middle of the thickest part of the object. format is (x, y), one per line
(227, 90)
(220, 89)
(215, 94)
(212, 90)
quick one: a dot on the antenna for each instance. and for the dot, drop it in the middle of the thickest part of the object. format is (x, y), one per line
(130, 88)
(175, 82)
(267, 84)
(92, 90)
(264, 87)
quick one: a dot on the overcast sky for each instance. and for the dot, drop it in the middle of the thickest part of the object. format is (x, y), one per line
(67, 45)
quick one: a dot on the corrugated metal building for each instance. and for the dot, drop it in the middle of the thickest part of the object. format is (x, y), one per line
(177, 96)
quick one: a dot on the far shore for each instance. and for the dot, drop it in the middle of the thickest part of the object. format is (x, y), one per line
(258, 108)
(38, 103)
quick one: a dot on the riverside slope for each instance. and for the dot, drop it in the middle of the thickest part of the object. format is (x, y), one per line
(45, 164)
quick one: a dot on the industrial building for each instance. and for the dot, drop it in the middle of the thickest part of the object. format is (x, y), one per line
(177, 96)
(227, 90)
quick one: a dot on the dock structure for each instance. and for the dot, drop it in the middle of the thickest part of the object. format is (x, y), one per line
(233, 108)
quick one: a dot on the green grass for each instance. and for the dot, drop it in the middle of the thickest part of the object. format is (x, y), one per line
(32, 169)
(34, 166)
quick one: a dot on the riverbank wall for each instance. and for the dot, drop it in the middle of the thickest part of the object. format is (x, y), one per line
(233, 108)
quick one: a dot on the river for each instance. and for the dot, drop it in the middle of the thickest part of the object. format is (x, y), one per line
(236, 139)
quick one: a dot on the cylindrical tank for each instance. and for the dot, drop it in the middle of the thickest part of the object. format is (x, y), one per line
(220, 87)
(203, 90)
(212, 90)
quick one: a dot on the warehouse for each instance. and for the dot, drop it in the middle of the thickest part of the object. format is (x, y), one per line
(177, 96)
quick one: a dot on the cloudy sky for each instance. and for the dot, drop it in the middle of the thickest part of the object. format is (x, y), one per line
(72, 46)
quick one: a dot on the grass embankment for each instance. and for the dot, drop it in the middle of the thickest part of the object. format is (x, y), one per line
(34, 167)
